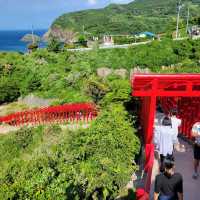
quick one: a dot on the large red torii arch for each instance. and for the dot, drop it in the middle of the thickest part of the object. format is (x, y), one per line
(150, 86)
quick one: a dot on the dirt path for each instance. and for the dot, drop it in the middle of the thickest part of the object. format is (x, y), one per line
(5, 129)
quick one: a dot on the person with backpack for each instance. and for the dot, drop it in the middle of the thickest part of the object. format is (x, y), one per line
(168, 185)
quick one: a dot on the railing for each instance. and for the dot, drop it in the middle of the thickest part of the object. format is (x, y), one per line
(149, 166)
(53, 114)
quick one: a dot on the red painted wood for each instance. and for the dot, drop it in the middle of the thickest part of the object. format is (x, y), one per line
(53, 114)
(166, 87)
(167, 84)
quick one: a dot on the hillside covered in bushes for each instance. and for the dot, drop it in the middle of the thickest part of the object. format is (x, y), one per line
(48, 162)
(157, 16)
(67, 76)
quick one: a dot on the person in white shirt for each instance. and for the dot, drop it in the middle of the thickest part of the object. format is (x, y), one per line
(176, 123)
(157, 123)
(165, 139)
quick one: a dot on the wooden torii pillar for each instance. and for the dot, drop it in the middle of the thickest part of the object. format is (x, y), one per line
(150, 86)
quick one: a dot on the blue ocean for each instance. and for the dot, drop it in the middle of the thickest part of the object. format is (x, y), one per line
(11, 40)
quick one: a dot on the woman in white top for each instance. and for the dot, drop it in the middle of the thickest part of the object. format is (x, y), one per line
(165, 139)
(175, 121)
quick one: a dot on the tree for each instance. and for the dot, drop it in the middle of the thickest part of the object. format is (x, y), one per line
(96, 89)
(82, 41)
(9, 90)
(106, 149)
(54, 45)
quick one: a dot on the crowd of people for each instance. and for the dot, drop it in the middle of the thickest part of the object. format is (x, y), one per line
(168, 183)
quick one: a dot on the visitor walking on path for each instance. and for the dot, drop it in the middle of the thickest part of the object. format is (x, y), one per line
(164, 139)
(168, 185)
(175, 121)
(196, 135)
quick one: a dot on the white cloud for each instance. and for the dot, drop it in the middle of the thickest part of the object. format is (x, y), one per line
(120, 1)
(92, 2)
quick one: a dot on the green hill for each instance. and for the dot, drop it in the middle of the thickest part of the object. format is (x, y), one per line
(140, 15)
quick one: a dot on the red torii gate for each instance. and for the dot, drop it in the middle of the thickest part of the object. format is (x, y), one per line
(150, 86)
(53, 114)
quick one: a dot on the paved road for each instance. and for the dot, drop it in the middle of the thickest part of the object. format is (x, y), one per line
(112, 46)
(120, 46)
(4, 129)
(184, 165)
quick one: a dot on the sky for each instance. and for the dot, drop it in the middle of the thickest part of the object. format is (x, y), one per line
(22, 14)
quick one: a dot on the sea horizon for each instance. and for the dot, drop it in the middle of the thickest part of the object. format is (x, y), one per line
(10, 40)
(38, 29)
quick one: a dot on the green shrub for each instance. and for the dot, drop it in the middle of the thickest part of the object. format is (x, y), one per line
(124, 40)
(69, 46)
(9, 90)
(96, 89)
(120, 91)
(104, 154)
(54, 45)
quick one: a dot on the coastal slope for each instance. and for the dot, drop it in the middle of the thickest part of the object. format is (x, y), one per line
(140, 15)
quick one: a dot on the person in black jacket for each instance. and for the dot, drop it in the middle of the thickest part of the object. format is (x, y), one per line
(168, 185)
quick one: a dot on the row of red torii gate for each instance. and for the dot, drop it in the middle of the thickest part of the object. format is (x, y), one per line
(68, 113)
(181, 91)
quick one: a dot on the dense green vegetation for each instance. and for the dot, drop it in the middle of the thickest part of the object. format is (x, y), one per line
(48, 163)
(67, 76)
(141, 15)
(94, 163)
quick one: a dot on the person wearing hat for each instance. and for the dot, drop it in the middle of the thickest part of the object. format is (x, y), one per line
(168, 185)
